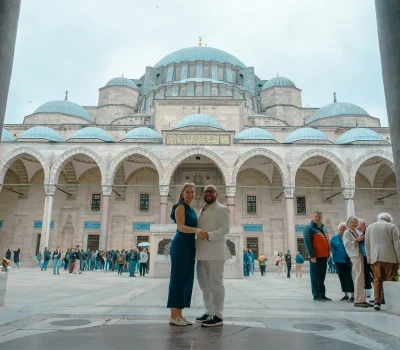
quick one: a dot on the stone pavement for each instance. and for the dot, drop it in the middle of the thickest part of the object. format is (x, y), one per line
(100, 310)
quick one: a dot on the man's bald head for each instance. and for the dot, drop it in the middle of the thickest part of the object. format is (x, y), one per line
(210, 194)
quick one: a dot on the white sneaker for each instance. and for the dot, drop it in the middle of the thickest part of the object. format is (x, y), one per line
(177, 322)
(188, 322)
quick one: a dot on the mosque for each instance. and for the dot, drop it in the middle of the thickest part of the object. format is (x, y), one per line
(106, 176)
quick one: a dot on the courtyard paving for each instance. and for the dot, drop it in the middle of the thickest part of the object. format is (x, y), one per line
(98, 310)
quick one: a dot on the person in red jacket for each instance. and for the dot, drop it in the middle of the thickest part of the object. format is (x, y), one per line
(317, 244)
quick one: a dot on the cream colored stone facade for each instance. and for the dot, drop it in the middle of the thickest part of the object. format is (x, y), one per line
(47, 187)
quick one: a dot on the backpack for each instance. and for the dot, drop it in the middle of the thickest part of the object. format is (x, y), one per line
(120, 259)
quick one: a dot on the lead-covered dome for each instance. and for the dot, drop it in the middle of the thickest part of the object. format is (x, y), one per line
(92, 133)
(359, 135)
(198, 120)
(65, 107)
(6, 136)
(200, 53)
(278, 82)
(143, 132)
(337, 109)
(254, 134)
(306, 134)
(121, 81)
(41, 133)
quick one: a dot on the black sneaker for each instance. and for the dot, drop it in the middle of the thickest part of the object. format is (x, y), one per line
(318, 299)
(202, 319)
(326, 298)
(213, 321)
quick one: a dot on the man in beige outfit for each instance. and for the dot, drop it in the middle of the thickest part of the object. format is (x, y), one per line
(383, 253)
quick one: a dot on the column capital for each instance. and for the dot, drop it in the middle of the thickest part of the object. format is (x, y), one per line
(164, 190)
(230, 191)
(106, 190)
(348, 193)
(289, 192)
(50, 189)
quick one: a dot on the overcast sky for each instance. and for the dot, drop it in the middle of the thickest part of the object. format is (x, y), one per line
(78, 45)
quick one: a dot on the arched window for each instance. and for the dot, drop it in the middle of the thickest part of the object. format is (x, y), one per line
(220, 73)
(164, 76)
(168, 91)
(199, 91)
(228, 92)
(234, 76)
(177, 73)
(192, 71)
(183, 90)
(214, 91)
(207, 71)
(240, 79)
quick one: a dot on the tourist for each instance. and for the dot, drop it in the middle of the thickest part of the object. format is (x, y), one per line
(121, 262)
(16, 257)
(317, 246)
(362, 228)
(383, 253)
(211, 254)
(98, 258)
(56, 261)
(8, 254)
(133, 263)
(246, 263)
(288, 260)
(114, 260)
(66, 259)
(299, 264)
(39, 258)
(262, 261)
(351, 241)
(46, 259)
(343, 264)
(280, 262)
(109, 256)
(82, 260)
(143, 262)
(72, 260)
(182, 252)
(88, 255)
(252, 258)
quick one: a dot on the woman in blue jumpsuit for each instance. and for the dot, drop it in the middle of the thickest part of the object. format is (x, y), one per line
(182, 251)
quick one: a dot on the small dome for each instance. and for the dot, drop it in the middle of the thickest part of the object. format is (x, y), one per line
(304, 134)
(92, 133)
(65, 107)
(359, 134)
(278, 81)
(254, 134)
(200, 53)
(41, 132)
(201, 120)
(143, 133)
(336, 109)
(6, 136)
(121, 81)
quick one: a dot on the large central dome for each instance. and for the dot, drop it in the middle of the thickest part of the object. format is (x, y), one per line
(200, 53)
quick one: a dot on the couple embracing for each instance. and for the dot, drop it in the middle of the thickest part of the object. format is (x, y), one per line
(198, 237)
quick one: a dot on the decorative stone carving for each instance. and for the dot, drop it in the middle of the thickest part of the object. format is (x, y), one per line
(68, 227)
(106, 190)
(49, 189)
(348, 193)
(230, 191)
(231, 247)
(164, 190)
(289, 192)
(163, 246)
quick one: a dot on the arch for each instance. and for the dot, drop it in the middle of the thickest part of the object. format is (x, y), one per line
(10, 158)
(218, 161)
(343, 173)
(371, 154)
(62, 160)
(261, 152)
(137, 171)
(112, 169)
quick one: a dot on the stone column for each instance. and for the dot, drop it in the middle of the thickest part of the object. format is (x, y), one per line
(348, 194)
(105, 213)
(9, 15)
(164, 190)
(49, 190)
(230, 194)
(291, 239)
(388, 19)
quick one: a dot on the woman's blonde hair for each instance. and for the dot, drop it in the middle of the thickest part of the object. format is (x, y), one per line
(185, 185)
(350, 219)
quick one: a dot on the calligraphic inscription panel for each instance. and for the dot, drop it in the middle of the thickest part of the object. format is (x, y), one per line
(182, 139)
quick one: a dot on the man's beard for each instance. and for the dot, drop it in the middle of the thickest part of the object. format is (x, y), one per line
(210, 201)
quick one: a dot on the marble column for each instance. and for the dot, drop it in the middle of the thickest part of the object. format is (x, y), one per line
(388, 20)
(348, 194)
(164, 190)
(49, 190)
(291, 232)
(9, 15)
(105, 214)
(230, 196)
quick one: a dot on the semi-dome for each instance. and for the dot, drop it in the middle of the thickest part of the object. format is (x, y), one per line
(254, 134)
(41, 132)
(359, 134)
(336, 109)
(93, 133)
(65, 107)
(6, 136)
(306, 134)
(121, 81)
(199, 120)
(278, 81)
(143, 132)
(200, 53)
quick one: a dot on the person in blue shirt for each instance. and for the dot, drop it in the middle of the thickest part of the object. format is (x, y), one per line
(246, 263)
(343, 264)
(299, 264)
(252, 257)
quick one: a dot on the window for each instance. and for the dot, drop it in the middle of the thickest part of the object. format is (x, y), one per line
(228, 92)
(142, 239)
(301, 247)
(251, 205)
(164, 76)
(168, 91)
(96, 200)
(214, 91)
(199, 91)
(234, 76)
(93, 242)
(183, 91)
(252, 243)
(220, 73)
(192, 71)
(38, 243)
(301, 206)
(207, 71)
(144, 202)
(178, 73)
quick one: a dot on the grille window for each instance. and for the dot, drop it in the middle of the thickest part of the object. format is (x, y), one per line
(192, 71)
(168, 91)
(301, 205)
(93, 242)
(251, 205)
(178, 73)
(206, 71)
(144, 202)
(199, 91)
(183, 91)
(220, 73)
(234, 76)
(301, 247)
(252, 243)
(38, 243)
(214, 91)
(96, 201)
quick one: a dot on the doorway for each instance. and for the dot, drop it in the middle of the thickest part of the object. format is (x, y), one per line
(93, 242)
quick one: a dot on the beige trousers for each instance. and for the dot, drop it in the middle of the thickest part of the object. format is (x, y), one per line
(299, 268)
(359, 280)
